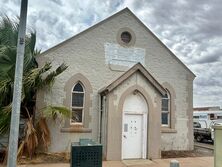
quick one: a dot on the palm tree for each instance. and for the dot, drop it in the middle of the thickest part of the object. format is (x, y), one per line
(33, 81)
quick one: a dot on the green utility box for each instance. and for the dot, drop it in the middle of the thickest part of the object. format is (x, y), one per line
(86, 153)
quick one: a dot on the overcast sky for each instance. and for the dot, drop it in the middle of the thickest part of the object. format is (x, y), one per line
(192, 29)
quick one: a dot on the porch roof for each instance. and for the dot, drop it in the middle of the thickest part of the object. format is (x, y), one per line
(137, 67)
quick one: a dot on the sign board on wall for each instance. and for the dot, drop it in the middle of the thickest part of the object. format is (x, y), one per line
(122, 56)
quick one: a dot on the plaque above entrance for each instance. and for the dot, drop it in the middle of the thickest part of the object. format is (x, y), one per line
(117, 56)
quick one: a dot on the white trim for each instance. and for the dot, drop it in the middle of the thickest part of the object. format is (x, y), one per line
(144, 137)
(71, 107)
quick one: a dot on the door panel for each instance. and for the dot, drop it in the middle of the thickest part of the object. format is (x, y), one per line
(132, 136)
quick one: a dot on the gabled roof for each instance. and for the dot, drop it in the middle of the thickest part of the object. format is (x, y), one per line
(111, 17)
(136, 68)
(87, 30)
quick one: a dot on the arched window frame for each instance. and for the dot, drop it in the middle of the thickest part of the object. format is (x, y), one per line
(166, 110)
(77, 108)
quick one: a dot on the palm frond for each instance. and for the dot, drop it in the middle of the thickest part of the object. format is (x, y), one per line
(7, 60)
(44, 132)
(7, 109)
(21, 149)
(5, 88)
(8, 31)
(55, 111)
(5, 117)
(31, 140)
(37, 52)
(8, 40)
(33, 78)
(4, 123)
(47, 66)
(49, 79)
(31, 42)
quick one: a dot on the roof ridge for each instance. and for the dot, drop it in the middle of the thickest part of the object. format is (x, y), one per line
(86, 30)
(126, 9)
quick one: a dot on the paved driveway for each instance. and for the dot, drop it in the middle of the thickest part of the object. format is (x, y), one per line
(184, 162)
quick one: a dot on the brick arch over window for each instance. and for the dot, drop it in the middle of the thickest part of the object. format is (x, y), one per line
(79, 78)
(172, 108)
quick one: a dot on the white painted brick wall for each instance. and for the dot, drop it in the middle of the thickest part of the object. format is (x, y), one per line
(85, 54)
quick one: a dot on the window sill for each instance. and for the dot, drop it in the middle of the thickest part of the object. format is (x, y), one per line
(76, 129)
(168, 130)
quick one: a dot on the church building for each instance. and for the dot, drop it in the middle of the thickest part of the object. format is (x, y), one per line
(125, 89)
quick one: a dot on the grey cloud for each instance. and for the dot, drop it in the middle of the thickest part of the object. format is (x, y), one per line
(50, 19)
(191, 29)
(58, 2)
(16, 2)
(5, 1)
(208, 82)
(208, 59)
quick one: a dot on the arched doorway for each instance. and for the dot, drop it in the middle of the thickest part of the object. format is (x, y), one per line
(134, 127)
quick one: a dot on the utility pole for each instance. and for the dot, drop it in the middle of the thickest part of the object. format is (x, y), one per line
(16, 103)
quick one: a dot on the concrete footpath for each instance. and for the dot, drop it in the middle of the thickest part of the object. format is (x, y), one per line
(184, 162)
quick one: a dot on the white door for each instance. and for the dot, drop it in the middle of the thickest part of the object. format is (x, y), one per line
(132, 136)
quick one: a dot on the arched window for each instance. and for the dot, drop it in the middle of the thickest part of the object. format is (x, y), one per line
(78, 94)
(165, 116)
